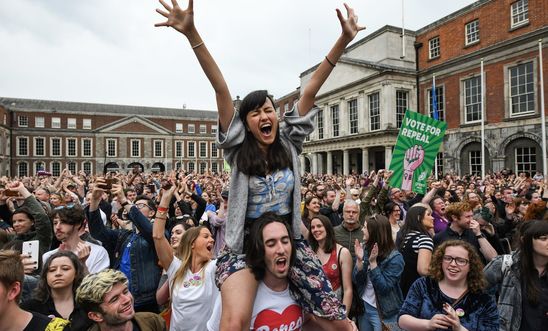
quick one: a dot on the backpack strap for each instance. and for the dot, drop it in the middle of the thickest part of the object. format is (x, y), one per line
(506, 263)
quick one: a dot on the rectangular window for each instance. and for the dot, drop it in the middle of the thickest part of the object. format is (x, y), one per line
(520, 12)
(526, 160)
(214, 167)
(472, 99)
(71, 147)
(72, 167)
(71, 123)
(56, 168)
(440, 101)
(203, 167)
(475, 162)
(203, 128)
(374, 112)
(191, 128)
(23, 169)
(472, 32)
(203, 149)
(320, 124)
(179, 127)
(23, 121)
(22, 146)
(214, 150)
(191, 149)
(56, 122)
(111, 147)
(353, 115)
(86, 124)
(402, 98)
(522, 93)
(335, 120)
(434, 47)
(55, 147)
(86, 147)
(39, 146)
(178, 149)
(214, 129)
(39, 166)
(191, 166)
(87, 167)
(39, 122)
(158, 148)
(135, 148)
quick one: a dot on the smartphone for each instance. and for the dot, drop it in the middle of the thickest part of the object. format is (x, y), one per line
(10, 193)
(108, 184)
(30, 248)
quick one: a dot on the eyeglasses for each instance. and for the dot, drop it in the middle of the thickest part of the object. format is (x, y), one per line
(141, 205)
(461, 262)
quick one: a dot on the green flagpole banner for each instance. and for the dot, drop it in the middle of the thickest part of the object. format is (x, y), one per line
(415, 152)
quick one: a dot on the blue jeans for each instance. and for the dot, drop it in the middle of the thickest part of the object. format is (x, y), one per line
(370, 320)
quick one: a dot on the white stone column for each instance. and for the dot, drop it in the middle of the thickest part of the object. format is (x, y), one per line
(329, 169)
(387, 156)
(303, 164)
(365, 160)
(362, 113)
(314, 165)
(327, 125)
(321, 167)
(346, 163)
(344, 120)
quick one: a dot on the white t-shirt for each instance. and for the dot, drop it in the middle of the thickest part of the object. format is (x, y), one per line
(97, 260)
(192, 300)
(272, 311)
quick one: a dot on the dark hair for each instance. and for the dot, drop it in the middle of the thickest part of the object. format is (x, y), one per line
(380, 233)
(389, 208)
(330, 241)
(43, 291)
(23, 210)
(413, 222)
(69, 214)
(255, 249)
(150, 203)
(250, 160)
(306, 214)
(531, 230)
(432, 202)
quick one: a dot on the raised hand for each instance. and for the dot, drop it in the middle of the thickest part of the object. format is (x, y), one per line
(358, 249)
(177, 18)
(350, 27)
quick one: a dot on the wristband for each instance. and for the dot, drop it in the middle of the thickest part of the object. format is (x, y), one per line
(162, 209)
(481, 235)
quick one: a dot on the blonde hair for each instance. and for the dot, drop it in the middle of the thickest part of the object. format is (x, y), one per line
(184, 253)
(91, 292)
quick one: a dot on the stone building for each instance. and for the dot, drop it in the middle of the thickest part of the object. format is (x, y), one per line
(53, 135)
(362, 104)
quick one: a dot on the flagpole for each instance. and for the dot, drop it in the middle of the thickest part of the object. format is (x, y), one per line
(482, 89)
(402, 33)
(434, 110)
(542, 115)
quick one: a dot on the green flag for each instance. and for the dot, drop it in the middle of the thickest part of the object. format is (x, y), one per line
(415, 152)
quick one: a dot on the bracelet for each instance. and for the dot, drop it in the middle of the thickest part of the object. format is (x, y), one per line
(479, 236)
(162, 209)
(197, 45)
(329, 61)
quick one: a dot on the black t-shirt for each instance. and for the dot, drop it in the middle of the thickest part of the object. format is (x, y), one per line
(535, 316)
(38, 322)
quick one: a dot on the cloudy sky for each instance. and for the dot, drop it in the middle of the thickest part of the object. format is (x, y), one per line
(108, 51)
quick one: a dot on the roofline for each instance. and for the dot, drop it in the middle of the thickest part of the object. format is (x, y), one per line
(460, 12)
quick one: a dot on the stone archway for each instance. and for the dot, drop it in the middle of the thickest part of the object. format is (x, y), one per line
(158, 167)
(111, 166)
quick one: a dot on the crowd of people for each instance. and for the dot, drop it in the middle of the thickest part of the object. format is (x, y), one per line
(265, 247)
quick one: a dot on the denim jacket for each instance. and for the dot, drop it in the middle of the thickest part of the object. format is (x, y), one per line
(386, 282)
(509, 286)
(145, 273)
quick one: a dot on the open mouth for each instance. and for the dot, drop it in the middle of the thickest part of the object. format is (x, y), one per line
(209, 247)
(126, 309)
(281, 264)
(266, 129)
(453, 272)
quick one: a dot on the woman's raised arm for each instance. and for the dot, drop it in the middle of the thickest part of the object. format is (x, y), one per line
(183, 21)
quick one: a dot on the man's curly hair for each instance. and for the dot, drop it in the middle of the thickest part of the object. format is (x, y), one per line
(475, 279)
(457, 209)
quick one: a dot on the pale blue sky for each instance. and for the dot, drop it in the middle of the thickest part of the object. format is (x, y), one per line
(108, 51)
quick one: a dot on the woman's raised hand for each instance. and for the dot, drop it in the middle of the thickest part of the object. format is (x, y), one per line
(177, 18)
(350, 27)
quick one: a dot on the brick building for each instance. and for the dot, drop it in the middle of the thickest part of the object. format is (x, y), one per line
(53, 135)
(505, 34)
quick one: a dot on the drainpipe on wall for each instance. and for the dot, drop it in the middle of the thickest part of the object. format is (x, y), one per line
(417, 46)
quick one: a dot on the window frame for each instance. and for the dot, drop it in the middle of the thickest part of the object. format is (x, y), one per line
(191, 129)
(87, 124)
(18, 146)
(35, 146)
(320, 124)
(181, 143)
(400, 112)
(71, 123)
(353, 118)
(472, 102)
(42, 120)
(434, 48)
(22, 121)
(52, 146)
(532, 94)
(523, 11)
(155, 148)
(83, 140)
(204, 149)
(56, 122)
(472, 32)
(374, 120)
(131, 147)
(334, 112)
(115, 148)
(75, 147)
(191, 152)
